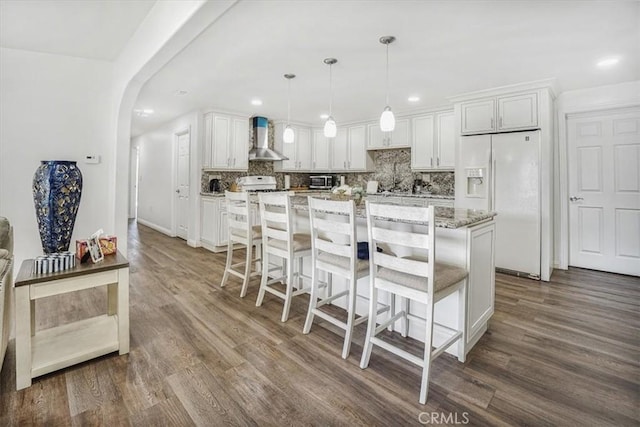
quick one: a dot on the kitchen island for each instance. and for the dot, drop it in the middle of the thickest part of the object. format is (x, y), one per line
(465, 238)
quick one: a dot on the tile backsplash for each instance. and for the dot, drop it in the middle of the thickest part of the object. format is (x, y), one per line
(392, 170)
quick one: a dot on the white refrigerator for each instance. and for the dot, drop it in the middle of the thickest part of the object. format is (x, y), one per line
(501, 173)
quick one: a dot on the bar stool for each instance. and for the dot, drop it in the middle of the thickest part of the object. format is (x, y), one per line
(241, 231)
(415, 277)
(279, 239)
(334, 249)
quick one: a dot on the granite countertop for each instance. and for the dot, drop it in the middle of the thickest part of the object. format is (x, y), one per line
(445, 217)
(421, 195)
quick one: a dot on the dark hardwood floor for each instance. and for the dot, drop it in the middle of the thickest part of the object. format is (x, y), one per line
(565, 352)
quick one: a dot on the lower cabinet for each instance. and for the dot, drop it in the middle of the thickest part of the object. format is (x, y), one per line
(213, 223)
(214, 229)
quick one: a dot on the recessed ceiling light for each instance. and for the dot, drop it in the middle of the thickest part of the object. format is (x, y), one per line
(256, 101)
(143, 112)
(413, 98)
(324, 116)
(181, 92)
(608, 62)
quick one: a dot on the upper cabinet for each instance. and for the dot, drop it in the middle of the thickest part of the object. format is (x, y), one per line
(398, 138)
(226, 142)
(349, 149)
(433, 142)
(299, 151)
(321, 154)
(500, 114)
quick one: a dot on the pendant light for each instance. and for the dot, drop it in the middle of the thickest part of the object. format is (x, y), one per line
(387, 120)
(330, 129)
(288, 136)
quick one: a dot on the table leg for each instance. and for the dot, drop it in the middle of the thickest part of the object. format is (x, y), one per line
(112, 299)
(33, 317)
(24, 328)
(123, 310)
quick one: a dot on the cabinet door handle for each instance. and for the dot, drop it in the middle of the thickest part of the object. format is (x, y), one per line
(491, 122)
(438, 161)
(234, 161)
(344, 165)
(500, 125)
(431, 162)
(314, 164)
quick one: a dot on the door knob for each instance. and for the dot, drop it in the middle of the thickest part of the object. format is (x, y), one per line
(575, 199)
(178, 191)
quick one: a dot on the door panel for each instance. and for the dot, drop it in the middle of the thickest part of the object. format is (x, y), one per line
(221, 158)
(604, 190)
(182, 220)
(478, 116)
(357, 148)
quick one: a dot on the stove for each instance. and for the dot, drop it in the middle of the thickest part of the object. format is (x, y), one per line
(257, 183)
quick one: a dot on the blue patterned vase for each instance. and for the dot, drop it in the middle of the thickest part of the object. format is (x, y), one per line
(57, 186)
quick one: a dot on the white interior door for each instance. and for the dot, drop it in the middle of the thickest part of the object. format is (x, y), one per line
(182, 192)
(604, 191)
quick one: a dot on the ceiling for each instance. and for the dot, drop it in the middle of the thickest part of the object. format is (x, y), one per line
(443, 48)
(96, 29)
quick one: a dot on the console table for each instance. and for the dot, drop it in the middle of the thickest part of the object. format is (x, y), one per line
(47, 350)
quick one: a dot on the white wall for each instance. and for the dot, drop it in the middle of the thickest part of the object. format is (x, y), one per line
(157, 168)
(52, 107)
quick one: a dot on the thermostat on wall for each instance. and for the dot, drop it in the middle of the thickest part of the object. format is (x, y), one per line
(92, 159)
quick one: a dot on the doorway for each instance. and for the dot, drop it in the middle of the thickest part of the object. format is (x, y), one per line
(604, 190)
(183, 150)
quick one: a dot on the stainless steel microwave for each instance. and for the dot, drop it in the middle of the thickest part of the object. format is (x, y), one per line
(321, 182)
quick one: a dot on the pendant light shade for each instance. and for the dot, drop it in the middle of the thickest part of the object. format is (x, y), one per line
(330, 129)
(288, 136)
(387, 119)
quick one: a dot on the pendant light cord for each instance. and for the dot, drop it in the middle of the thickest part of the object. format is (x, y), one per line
(387, 74)
(288, 102)
(330, 87)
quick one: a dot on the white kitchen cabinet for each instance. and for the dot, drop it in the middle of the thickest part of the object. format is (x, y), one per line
(445, 147)
(500, 114)
(422, 146)
(517, 112)
(398, 138)
(298, 152)
(208, 226)
(340, 150)
(213, 223)
(226, 142)
(321, 151)
(349, 149)
(433, 142)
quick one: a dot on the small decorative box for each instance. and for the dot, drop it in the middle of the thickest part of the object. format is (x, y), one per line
(108, 244)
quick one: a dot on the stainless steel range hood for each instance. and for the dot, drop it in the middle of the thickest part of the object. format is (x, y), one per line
(260, 149)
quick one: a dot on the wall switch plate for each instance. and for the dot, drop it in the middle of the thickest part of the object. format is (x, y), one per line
(215, 176)
(426, 177)
(92, 159)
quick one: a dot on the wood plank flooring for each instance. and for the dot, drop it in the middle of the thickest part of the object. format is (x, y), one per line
(565, 352)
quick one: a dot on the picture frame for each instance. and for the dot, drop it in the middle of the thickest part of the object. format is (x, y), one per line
(95, 250)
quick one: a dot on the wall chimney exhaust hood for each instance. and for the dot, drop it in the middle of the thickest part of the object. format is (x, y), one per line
(260, 149)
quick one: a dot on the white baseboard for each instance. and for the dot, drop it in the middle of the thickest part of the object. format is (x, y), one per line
(192, 243)
(155, 227)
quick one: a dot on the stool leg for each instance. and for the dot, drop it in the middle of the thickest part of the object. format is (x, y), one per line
(428, 341)
(247, 269)
(371, 327)
(405, 319)
(313, 300)
(392, 310)
(289, 291)
(300, 281)
(264, 279)
(329, 285)
(228, 264)
(351, 313)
